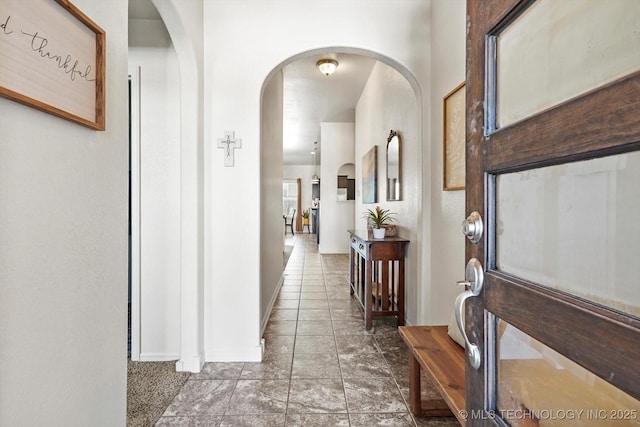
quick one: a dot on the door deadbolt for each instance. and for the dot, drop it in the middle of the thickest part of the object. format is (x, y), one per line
(472, 227)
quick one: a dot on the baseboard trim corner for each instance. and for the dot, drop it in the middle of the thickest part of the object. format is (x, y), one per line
(192, 364)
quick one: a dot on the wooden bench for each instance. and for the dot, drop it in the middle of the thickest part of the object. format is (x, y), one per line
(433, 352)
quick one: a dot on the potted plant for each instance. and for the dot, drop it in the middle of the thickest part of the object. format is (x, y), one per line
(378, 218)
(305, 216)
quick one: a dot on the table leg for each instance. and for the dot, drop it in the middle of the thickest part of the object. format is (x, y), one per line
(352, 267)
(368, 298)
(415, 400)
(401, 292)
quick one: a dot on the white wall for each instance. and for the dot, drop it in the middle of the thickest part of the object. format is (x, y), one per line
(233, 71)
(63, 256)
(446, 208)
(270, 209)
(243, 42)
(184, 24)
(159, 151)
(389, 102)
(150, 33)
(338, 145)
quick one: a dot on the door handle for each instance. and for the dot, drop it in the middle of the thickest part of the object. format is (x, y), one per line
(474, 279)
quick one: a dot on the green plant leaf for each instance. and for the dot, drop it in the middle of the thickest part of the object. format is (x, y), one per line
(379, 216)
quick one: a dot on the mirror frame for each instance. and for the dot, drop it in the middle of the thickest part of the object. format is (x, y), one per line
(394, 135)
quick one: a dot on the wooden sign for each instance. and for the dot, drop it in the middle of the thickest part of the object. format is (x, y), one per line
(52, 57)
(453, 167)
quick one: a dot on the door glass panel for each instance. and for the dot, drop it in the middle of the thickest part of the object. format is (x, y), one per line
(538, 386)
(574, 227)
(557, 50)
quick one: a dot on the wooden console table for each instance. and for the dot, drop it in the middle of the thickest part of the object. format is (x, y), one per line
(377, 274)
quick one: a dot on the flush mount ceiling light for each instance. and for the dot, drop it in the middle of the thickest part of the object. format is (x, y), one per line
(327, 66)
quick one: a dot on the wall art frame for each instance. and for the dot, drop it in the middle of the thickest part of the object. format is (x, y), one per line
(52, 58)
(370, 176)
(453, 150)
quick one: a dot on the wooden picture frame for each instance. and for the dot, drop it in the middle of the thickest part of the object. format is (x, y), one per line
(453, 150)
(370, 176)
(52, 58)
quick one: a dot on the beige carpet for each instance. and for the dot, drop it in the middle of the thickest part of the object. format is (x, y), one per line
(151, 386)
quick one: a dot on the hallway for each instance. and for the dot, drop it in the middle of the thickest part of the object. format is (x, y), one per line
(320, 368)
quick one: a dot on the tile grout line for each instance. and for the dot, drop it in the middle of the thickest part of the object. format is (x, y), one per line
(308, 265)
(295, 339)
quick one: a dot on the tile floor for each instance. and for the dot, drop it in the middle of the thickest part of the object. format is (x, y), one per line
(320, 368)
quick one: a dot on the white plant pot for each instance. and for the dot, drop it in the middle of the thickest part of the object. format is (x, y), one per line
(378, 233)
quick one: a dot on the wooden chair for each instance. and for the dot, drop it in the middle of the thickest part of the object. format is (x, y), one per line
(289, 220)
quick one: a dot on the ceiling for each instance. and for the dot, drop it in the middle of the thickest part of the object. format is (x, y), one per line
(309, 96)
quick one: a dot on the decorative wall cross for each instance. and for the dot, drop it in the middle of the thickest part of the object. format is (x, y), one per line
(229, 143)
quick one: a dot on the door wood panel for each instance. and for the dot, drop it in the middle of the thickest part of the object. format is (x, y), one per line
(599, 123)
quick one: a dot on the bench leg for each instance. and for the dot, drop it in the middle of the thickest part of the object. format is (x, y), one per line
(415, 400)
(426, 408)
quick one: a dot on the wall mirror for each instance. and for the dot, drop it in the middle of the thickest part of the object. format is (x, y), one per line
(347, 182)
(394, 166)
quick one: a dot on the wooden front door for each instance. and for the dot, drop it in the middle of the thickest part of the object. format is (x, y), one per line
(553, 169)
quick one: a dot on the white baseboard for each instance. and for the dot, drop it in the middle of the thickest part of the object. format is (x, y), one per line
(158, 357)
(192, 364)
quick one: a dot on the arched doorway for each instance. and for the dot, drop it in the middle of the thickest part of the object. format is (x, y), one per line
(386, 98)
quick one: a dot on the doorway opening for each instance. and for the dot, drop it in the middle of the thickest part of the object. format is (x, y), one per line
(129, 236)
(133, 294)
(290, 199)
(324, 122)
